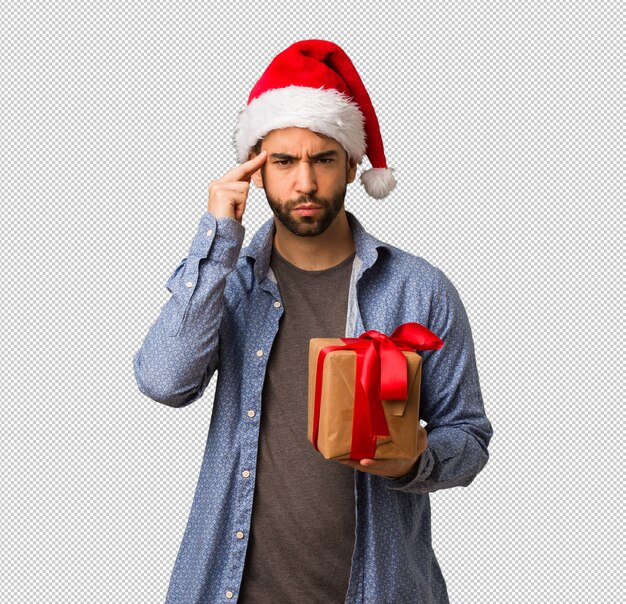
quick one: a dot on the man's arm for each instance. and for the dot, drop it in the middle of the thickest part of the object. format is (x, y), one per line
(180, 352)
(451, 404)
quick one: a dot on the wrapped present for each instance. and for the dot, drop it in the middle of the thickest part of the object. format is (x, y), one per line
(364, 393)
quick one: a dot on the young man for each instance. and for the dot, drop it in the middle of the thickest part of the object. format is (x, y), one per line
(272, 520)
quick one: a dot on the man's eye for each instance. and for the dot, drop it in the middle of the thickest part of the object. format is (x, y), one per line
(321, 160)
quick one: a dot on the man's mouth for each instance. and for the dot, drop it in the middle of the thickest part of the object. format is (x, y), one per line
(307, 209)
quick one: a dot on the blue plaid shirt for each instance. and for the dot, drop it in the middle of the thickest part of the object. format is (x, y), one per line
(224, 314)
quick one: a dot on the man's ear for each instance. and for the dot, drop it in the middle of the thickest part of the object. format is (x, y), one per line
(257, 179)
(351, 171)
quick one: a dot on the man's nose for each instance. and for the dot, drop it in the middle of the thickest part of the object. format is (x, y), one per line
(306, 182)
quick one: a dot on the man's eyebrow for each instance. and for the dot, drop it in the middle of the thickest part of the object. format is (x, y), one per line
(321, 155)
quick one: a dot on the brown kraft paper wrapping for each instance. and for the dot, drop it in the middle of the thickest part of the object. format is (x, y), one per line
(337, 405)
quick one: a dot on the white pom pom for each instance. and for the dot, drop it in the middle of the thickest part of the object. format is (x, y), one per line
(378, 182)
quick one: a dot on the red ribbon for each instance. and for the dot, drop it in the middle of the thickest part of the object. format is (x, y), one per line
(381, 374)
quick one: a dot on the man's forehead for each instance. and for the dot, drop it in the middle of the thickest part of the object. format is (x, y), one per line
(298, 138)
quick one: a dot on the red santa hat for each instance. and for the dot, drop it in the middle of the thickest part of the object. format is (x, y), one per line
(313, 84)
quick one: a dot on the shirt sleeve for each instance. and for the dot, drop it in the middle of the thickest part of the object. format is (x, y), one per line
(451, 403)
(179, 354)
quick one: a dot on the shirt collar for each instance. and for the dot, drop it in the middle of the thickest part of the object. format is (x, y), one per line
(260, 247)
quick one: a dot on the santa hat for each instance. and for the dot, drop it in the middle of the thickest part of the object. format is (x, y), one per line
(313, 84)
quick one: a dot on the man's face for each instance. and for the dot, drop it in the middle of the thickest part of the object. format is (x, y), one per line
(304, 168)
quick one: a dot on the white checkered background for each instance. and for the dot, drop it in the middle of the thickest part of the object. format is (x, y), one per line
(505, 124)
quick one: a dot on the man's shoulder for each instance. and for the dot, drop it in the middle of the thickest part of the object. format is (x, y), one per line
(390, 257)
(422, 287)
(402, 263)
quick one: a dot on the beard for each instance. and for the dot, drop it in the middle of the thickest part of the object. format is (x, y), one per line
(308, 226)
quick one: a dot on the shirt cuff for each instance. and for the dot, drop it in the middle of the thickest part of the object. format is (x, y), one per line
(218, 239)
(420, 472)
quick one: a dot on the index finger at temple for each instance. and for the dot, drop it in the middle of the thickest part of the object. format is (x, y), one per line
(245, 170)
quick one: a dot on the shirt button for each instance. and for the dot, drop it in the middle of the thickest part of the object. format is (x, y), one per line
(239, 535)
(277, 304)
(209, 232)
(245, 473)
(189, 284)
(259, 353)
(229, 594)
(251, 413)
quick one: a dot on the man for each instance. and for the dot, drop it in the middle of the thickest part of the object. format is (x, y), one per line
(272, 520)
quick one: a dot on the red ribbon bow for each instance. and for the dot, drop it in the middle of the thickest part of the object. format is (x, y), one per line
(381, 374)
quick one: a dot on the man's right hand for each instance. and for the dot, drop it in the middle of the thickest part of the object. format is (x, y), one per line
(228, 194)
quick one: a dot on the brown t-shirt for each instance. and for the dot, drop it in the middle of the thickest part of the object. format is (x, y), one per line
(303, 519)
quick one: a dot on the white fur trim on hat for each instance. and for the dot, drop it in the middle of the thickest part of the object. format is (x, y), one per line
(326, 111)
(378, 182)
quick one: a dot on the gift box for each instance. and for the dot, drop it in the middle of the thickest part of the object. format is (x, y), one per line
(364, 393)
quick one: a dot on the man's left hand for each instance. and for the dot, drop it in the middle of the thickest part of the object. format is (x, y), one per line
(391, 468)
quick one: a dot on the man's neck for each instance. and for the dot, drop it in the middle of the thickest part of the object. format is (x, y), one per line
(316, 253)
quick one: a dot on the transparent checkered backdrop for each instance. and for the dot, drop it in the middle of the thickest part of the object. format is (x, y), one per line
(501, 121)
